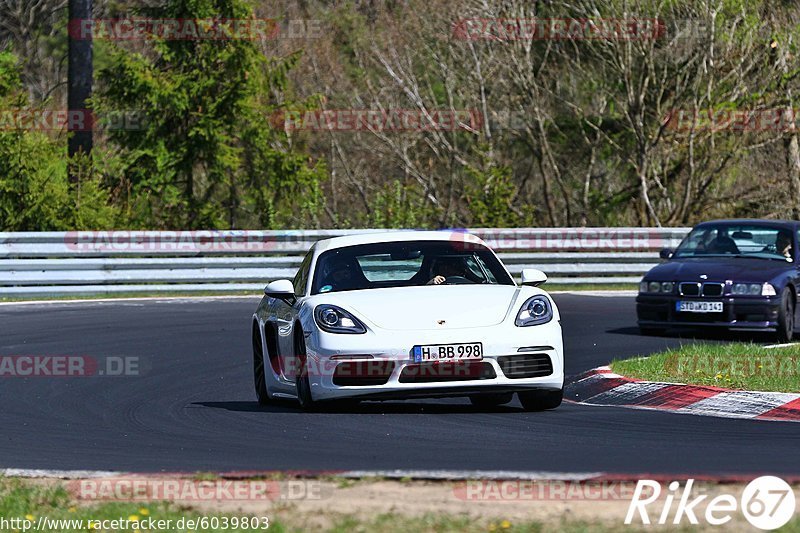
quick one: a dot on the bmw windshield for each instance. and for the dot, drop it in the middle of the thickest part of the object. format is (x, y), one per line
(738, 240)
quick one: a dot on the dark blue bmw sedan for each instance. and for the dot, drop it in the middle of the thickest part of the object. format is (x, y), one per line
(738, 274)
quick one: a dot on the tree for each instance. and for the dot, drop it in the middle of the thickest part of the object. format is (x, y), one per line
(34, 191)
(206, 155)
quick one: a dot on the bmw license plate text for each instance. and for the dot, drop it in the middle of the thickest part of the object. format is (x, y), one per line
(698, 307)
(472, 351)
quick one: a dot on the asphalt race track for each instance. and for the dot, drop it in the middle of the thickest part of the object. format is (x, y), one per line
(193, 408)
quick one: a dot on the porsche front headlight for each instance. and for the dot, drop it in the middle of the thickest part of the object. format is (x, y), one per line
(536, 310)
(334, 319)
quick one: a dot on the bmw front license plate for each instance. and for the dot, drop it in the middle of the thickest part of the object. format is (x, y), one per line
(698, 307)
(470, 351)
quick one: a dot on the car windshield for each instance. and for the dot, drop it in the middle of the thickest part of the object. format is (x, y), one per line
(406, 264)
(738, 240)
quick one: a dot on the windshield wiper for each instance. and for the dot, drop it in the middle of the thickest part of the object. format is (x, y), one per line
(754, 256)
(692, 255)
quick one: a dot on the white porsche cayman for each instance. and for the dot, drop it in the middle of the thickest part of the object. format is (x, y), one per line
(407, 314)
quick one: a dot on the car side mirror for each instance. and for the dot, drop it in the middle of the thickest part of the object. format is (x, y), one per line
(665, 253)
(282, 289)
(533, 277)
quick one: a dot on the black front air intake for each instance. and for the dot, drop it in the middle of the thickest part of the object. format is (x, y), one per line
(525, 365)
(362, 373)
(449, 371)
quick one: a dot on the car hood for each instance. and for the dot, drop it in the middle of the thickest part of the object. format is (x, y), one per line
(718, 269)
(417, 308)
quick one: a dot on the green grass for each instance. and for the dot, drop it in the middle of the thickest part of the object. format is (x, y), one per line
(743, 366)
(440, 523)
(23, 499)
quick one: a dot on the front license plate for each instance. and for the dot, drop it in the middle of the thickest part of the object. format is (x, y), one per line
(471, 351)
(698, 307)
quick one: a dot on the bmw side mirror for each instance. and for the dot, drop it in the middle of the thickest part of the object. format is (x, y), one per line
(281, 289)
(533, 277)
(665, 253)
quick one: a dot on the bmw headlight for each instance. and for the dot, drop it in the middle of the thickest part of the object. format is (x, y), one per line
(536, 310)
(746, 289)
(334, 319)
(665, 287)
(753, 289)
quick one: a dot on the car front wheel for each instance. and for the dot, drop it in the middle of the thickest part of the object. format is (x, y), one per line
(786, 316)
(302, 383)
(541, 400)
(259, 378)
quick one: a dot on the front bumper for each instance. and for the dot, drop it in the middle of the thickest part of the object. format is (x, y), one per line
(741, 312)
(514, 359)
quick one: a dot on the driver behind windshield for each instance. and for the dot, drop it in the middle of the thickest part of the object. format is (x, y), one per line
(339, 276)
(447, 268)
(783, 244)
(722, 244)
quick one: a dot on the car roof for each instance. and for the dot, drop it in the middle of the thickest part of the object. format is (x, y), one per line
(751, 221)
(369, 237)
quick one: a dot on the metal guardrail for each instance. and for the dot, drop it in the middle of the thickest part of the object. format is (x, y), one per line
(84, 262)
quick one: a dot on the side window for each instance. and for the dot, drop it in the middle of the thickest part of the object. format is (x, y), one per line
(301, 278)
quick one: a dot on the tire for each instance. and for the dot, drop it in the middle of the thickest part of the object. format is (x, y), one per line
(541, 400)
(259, 378)
(302, 383)
(786, 316)
(651, 332)
(489, 400)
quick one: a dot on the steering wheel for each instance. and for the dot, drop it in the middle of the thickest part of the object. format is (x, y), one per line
(456, 280)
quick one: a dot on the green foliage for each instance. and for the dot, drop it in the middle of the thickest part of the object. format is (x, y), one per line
(206, 152)
(34, 189)
(489, 195)
(735, 365)
(398, 207)
(586, 147)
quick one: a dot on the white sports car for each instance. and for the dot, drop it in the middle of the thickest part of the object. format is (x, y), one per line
(407, 314)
